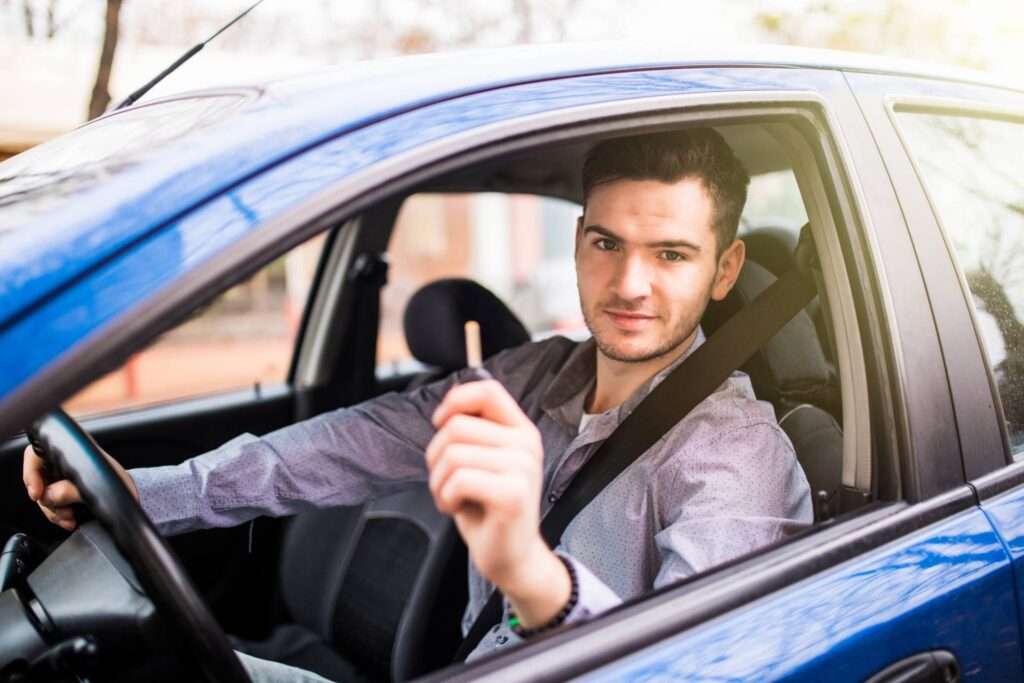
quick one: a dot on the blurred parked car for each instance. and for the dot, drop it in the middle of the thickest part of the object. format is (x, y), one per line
(901, 385)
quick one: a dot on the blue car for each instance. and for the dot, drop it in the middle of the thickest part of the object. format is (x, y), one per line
(302, 229)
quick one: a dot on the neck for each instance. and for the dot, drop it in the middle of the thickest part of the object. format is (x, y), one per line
(617, 380)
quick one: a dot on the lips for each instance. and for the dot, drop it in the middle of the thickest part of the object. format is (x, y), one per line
(629, 320)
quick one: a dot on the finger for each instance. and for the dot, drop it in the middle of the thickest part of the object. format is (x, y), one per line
(60, 494)
(33, 470)
(62, 517)
(472, 430)
(457, 456)
(61, 514)
(468, 486)
(487, 399)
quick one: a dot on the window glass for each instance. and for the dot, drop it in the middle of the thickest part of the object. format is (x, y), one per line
(518, 246)
(773, 201)
(973, 170)
(47, 174)
(243, 340)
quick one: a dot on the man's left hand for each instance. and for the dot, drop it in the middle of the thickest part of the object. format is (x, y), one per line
(486, 471)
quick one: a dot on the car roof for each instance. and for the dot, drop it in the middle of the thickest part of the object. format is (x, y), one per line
(60, 214)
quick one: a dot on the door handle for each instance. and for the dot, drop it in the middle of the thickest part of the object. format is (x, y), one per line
(935, 666)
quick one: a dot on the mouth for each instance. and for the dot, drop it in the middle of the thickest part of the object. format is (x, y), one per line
(629, 320)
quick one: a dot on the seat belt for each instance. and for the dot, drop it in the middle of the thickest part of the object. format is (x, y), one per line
(668, 403)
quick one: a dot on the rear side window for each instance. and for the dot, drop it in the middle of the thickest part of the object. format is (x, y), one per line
(974, 171)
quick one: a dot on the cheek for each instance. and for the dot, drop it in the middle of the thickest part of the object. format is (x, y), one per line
(682, 291)
(591, 278)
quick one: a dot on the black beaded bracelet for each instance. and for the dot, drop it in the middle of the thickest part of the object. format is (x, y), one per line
(558, 619)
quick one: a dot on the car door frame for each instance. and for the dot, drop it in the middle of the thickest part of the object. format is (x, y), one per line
(996, 479)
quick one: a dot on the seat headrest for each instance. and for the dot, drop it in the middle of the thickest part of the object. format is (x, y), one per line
(436, 314)
(772, 247)
(791, 365)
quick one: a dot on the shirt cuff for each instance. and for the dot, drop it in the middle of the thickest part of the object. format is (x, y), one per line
(168, 497)
(594, 595)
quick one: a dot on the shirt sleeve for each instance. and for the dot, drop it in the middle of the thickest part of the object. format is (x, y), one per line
(725, 501)
(593, 597)
(741, 493)
(344, 457)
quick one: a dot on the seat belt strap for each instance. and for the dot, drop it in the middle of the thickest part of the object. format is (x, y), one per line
(667, 404)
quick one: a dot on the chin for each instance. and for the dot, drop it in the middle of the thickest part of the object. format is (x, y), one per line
(627, 351)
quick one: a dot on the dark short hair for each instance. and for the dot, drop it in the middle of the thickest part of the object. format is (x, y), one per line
(670, 157)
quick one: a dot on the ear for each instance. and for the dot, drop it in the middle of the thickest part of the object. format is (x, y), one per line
(729, 265)
(579, 234)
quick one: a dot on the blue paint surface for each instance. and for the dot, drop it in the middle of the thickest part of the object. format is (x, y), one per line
(947, 586)
(113, 288)
(1007, 515)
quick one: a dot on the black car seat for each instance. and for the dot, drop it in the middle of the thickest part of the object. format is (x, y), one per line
(772, 245)
(791, 372)
(398, 555)
(436, 314)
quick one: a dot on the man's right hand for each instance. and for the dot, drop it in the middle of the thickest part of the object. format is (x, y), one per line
(56, 498)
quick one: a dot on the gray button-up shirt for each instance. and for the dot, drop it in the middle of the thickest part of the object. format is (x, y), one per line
(722, 483)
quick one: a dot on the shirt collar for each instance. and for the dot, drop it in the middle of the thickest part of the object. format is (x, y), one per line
(564, 398)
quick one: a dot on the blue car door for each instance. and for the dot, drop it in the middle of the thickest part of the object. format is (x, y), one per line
(964, 147)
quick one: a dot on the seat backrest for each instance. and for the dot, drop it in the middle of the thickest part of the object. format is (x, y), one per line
(434, 320)
(394, 554)
(791, 372)
(772, 244)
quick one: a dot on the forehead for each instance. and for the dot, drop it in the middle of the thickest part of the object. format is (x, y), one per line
(625, 204)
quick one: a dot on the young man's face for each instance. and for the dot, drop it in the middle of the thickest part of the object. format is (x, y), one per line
(646, 265)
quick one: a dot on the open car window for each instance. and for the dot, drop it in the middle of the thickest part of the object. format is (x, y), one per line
(243, 340)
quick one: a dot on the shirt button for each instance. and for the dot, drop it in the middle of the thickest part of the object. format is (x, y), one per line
(502, 639)
(552, 498)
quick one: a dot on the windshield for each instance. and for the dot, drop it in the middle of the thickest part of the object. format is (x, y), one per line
(43, 176)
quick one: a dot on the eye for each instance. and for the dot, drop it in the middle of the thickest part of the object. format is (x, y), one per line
(604, 244)
(672, 256)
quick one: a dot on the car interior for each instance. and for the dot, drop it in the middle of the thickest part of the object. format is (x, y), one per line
(348, 592)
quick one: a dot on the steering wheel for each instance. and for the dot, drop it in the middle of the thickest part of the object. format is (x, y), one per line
(72, 454)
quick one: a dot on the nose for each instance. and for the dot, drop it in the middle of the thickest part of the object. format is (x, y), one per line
(632, 279)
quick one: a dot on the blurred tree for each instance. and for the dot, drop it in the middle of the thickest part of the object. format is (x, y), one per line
(101, 89)
(936, 30)
(358, 29)
(30, 11)
(51, 18)
(29, 18)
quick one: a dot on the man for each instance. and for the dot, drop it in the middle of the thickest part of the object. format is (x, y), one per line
(657, 241)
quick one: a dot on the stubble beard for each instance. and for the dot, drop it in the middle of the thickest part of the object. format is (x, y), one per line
(680, 334)
(686, 327)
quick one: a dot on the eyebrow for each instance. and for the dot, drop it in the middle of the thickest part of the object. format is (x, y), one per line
(660, 244)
